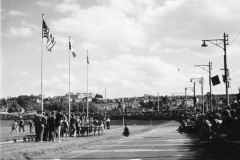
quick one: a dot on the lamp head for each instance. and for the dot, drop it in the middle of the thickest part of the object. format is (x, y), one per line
(191, 80)
(204, 44)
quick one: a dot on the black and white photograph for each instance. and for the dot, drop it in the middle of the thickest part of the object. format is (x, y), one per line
(120, 80)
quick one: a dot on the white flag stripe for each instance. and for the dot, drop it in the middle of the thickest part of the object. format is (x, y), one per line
(48, 34)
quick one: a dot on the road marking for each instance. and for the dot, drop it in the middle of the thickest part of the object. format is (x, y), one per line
(177, 144)
(147, 150)
(178, 140)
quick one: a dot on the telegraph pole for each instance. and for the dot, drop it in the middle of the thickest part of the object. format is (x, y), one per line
(218, 42)
(209, 72)
(194, 101)
(186, 98)
(225, 66)
(202, 93)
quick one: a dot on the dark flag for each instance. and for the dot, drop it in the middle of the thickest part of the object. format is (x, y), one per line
(88, 60)
(71, 49)
(215, 80)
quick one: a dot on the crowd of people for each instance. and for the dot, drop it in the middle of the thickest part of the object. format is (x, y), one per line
(218, 124)
(54, 125)
(208, 125)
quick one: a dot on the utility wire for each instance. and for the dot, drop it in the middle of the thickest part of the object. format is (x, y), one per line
(235, 38)
(233, 28)
(218, 62)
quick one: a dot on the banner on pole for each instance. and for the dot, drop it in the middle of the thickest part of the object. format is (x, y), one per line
(215, 80)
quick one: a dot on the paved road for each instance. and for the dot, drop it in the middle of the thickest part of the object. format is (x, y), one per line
(163, 142)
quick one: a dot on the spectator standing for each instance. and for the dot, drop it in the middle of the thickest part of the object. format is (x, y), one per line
(65, 127)
(30, 123)
(42, 122)
(21, 125)
(46, 128)
(108, 123)
(73, 126)
(58, 122)
(37, 123)
(101, 126)
(51, 126)
(14, 126)
(78, 121)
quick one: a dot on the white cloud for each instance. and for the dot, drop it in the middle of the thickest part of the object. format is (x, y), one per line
(115, 27)
(33, 26)
(22, 32)
(16, 13)
(66, 65)
(135, 46)
(45, 3)
(135, 73)
(24, 73)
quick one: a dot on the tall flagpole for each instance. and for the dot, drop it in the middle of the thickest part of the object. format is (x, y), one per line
(123, 112)
(69, 107)
(42, 65)
(87, 83)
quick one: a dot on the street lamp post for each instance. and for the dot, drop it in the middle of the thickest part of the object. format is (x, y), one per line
(186, 95)
(209, 71)
(195, 99)
(201, 79)
(225, 43)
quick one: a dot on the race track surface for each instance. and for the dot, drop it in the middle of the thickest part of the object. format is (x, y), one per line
(163, 142)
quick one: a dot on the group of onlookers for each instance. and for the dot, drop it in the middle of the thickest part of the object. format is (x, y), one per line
(223, 123)
(21, 126)
(53, 125)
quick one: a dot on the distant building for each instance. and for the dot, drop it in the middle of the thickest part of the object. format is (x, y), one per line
(135, 104)
(79, 97)
(109, 106)
(58, 98)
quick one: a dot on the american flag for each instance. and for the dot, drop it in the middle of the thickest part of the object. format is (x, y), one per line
(48, 34)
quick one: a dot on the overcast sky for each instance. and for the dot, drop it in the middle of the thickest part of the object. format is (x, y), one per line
(135, 47)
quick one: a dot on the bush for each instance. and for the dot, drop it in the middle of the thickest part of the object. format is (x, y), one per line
(11, 110)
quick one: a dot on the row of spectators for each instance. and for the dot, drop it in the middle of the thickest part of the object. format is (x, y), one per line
(224, 123)
(114, 115)
(49, 127)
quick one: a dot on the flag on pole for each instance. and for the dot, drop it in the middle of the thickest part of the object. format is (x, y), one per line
(48, 34)
(72, 50)
(88, 60)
